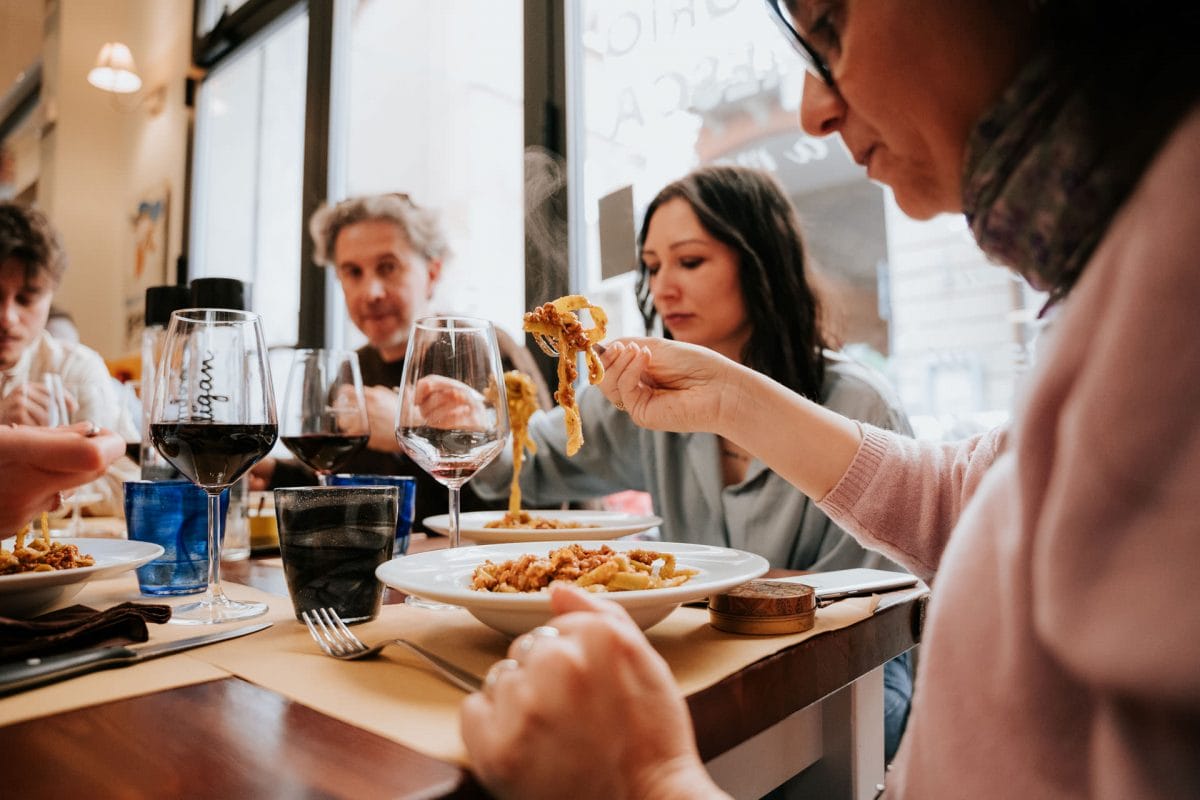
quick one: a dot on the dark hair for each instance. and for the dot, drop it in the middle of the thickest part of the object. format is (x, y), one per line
(1125, 58)
(1137, 66)
(748, 211)
(27, 235)
(421, 226)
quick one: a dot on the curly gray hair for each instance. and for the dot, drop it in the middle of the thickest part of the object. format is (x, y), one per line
(422, 227)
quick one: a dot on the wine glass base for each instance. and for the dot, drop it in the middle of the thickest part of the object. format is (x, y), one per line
(433, 605)
(216, 610)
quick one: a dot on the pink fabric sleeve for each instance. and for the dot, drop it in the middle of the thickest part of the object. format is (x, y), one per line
(1113, 495)
(902, 496)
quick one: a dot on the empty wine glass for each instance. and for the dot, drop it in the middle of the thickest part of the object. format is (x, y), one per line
(213, 417)
(57, 414)
(324, 420)
(453, 416)
(56, 400)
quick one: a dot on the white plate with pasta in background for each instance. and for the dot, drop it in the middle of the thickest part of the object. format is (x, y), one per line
(599, 525)
(26, 594)
(445, 576)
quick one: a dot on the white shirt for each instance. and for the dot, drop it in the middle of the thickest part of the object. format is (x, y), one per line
(84, 375)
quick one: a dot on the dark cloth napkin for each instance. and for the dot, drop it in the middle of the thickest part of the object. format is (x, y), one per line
(77, 627)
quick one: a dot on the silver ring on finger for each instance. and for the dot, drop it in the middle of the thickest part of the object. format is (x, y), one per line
(495, 671)
(526, 641)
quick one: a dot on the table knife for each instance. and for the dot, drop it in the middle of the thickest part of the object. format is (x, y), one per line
(31, 672)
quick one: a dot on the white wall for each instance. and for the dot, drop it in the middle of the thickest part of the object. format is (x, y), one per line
(101, 153)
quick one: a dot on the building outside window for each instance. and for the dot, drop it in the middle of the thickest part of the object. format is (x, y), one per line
(666, 87)
(423, 107)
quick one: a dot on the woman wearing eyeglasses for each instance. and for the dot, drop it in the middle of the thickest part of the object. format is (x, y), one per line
(1061, 655)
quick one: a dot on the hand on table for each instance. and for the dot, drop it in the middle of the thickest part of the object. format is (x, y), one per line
(590, 712)
(382, 406)
(261, 474)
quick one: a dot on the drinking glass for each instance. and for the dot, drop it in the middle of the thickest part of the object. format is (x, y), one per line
(324, 420)
(56, 415)
(453, 417)
(56, 400)
(213, 417)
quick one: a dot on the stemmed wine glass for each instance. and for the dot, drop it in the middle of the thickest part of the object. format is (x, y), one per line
(56, 415)
(324, 421)
(453, 417)
(213, 417)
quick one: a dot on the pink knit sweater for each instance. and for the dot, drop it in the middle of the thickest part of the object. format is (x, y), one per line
(1061, 655)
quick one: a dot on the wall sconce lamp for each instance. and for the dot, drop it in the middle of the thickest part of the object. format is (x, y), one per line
(115, 72)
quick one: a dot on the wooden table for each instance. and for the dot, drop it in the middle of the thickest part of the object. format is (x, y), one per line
(817, 705)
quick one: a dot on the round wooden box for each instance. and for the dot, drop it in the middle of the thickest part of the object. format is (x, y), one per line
(764, 608)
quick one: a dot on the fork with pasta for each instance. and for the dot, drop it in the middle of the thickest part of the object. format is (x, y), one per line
(559, 333)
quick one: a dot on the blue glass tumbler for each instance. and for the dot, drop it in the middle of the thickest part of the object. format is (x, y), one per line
(408, 497)
(173, 514)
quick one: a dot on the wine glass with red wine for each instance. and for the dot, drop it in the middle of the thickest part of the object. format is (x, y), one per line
(453, 417)
(324, 419)
(213, 417)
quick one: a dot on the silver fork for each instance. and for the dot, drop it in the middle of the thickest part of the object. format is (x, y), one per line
(337, 640)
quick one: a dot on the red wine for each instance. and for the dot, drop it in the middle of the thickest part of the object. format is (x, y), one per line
(212, 454)
(324, 452)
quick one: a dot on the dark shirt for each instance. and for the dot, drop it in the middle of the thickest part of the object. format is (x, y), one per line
(432, 497)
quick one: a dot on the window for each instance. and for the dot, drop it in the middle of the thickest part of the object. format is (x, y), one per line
(249, 159)
(667, 87)
(428, 110)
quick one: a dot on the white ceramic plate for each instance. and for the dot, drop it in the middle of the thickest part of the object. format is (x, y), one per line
(27, 594)
(610, 525)
(445, 576)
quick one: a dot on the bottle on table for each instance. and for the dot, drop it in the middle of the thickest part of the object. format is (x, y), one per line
(160, 302)
(233, 294)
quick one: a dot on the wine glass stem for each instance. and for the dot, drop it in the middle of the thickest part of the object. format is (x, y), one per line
(454, 515)
(76, 523)
(214, 545)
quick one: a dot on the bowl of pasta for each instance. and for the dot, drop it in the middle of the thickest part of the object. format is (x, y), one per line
(42, 581)
(504, 586)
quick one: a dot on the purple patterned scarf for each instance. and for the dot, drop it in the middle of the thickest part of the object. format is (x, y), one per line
(1039, 188)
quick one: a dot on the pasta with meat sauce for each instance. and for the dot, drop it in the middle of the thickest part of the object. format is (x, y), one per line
(41, 554)
(599, 570)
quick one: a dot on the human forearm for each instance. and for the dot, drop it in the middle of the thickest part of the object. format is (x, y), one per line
(809, 446)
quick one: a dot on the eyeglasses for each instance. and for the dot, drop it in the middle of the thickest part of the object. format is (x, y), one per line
(813, 60)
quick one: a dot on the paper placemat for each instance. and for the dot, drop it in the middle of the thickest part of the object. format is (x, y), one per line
(393, 695)
(396, 696)
(159, 674)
